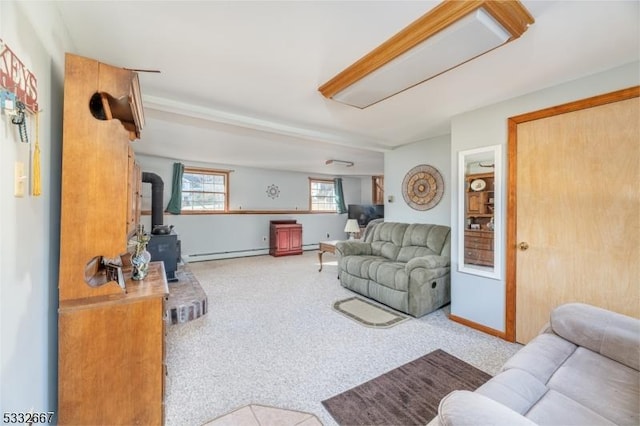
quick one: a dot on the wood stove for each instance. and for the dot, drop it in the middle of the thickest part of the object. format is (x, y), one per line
(164, 244)
(166, 248)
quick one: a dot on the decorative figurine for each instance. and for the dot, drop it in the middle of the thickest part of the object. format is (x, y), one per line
(141, 257)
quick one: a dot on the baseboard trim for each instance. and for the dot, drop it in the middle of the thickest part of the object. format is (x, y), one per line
(479, 327)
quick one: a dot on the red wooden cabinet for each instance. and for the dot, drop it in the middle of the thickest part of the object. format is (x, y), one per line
(285, 238)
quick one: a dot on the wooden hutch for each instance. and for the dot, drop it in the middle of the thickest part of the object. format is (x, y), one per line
(111, 335)
(478, 233)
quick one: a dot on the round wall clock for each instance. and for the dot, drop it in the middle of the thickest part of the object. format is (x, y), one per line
(422, 187)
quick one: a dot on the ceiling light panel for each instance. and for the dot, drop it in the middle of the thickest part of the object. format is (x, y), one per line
(451, 34)
(470, 37)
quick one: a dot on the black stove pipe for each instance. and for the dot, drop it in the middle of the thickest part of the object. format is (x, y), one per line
(157, 191)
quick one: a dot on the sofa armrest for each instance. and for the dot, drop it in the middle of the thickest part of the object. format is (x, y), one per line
(608, 333)
(428, 262)
(353, 248)
(465, 408)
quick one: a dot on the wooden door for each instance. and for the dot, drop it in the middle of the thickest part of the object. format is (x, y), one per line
(577, 183)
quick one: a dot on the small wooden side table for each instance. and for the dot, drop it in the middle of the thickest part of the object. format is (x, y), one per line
(326, 246)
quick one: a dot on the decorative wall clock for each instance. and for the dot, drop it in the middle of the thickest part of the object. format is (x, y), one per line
(422, 187)
(273, 191)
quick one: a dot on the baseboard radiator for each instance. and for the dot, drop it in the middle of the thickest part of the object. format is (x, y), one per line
(201, 257)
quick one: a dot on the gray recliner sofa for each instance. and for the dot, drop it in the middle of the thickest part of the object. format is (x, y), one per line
(581, 370)
(404, 266)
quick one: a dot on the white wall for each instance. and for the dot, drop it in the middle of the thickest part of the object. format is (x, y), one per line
(226, 235)
(435, 152)
(478, 299)
(30, 225)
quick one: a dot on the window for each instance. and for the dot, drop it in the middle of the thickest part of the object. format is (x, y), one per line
(322, 195)
(205, 190)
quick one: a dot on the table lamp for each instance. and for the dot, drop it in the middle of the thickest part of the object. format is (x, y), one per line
(352, 228)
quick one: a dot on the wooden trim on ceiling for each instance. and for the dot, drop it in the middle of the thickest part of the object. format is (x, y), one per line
(511, 14)
(511, 288)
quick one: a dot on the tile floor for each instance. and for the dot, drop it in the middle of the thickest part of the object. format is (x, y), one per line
(262, 415)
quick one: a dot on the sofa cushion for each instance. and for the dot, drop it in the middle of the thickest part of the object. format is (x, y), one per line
(555, 408)
(601, 384)
(542, 356)
(387, 239)
(358, 265)
(422, 239)
(368, 231)
(389, 274)
(514, 388)
(608, 333)
(405, 254)
(385, 249)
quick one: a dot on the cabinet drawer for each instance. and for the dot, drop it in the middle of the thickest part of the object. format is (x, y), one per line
(478, 243)
(474, 255)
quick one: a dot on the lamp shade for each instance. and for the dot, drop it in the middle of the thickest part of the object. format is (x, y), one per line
(352, 226)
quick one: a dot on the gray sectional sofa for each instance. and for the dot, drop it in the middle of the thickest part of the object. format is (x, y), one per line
(404, 266)
(581, 370)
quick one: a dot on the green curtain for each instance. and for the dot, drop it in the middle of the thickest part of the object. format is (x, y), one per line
(175, 203)
(340, 206)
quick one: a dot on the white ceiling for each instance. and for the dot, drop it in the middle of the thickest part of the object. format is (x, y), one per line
(238, 82)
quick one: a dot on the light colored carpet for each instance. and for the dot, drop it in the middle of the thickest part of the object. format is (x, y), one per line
(368, 313)
(272, 338)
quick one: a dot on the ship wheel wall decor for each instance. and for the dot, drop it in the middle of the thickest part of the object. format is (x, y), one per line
(422, 187)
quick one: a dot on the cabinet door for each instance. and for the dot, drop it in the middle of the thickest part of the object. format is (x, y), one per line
(283, 237)
(111, 364)
(296, 239)
(476, 202)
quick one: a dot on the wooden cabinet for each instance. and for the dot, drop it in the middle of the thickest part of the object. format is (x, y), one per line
(111, 355)
(98, 171)
(285, 238)
(479, 211)
(111, 337)
(479, 198)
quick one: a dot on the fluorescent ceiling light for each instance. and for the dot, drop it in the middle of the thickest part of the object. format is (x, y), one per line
(451, 34)
(341, 162)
